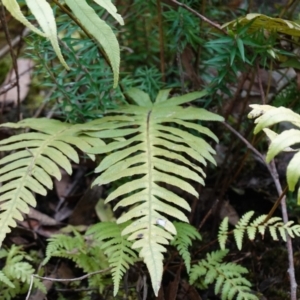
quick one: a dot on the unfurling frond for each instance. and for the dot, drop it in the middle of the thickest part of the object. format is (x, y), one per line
(186, 233)
(156, 144)
(116, 247)
(36, 157)
(228, 277)
(275, 226)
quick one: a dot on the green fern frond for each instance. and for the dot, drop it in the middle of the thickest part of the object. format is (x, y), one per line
(36, 158)
(153, 150)
(62, 245)
(228, 277)
(85, 254)
(183, 240)
(16, 273)
(275, 226)
(116, 247)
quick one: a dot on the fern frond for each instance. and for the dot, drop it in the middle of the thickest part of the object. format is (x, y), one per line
(275, 226)
(37, 157)
(116, 247)
(86, 255)
(228, 277)
(16, 271)
(154, 153)
(62, 245)
(183, 239)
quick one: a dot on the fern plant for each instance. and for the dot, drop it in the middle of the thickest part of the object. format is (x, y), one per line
(15, 275)
(228, 277)
(146, 141)
(150, 147)
(116, 247)
(87, 255)
(266, 116)
(243, 227)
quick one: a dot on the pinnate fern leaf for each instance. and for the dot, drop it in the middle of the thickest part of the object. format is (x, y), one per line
(228, 277)
(183, 240)
(116, 247)
(152, 151)
(37, 157)
(258, 225)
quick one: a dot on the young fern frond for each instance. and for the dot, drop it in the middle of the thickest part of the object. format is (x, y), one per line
(37, 156)
(266, 116)
(62, 245)
(116, 247)
(150, 147)
(275, 226)
(86, 255)
(16, 273)
(228, 277)
(186, 233)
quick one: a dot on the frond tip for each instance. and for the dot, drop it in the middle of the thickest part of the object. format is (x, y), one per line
(157, 143)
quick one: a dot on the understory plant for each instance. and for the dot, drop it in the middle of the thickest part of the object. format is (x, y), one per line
(143, 141)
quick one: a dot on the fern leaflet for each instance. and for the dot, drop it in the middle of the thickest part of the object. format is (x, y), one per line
(183, 240)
